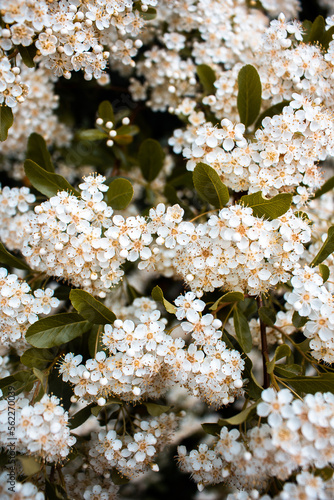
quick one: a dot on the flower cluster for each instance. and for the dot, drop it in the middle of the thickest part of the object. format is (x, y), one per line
(41, 429)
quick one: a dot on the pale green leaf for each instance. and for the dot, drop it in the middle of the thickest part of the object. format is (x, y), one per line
(158, 296)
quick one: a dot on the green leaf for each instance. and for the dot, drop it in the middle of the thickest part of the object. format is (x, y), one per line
(276, 109)
(45, 182)
(37, 358)
(158, 296)
(282, 351)
(328, 186)
(92, 134)
(242, 330)
(324, 271)
(125, 134)
(90, 308)
(269, 209)
(151, 159)
(207, 77)
(288, 371)
(95, 410)
(209, 186)
(10, 260)
(30, 465)
(156, 410)
(6, 121)
(38, 152)
(228, 297)
(56, 330)
(106, 112)
(326, 473)
(119, 194)
(249, 94)
(28, 54)
(298, 321)
(95, 340)
(267, 315)
(311, 385)
(118, 478)
(326, 249)
(316, 31)
(81, 416)
(240, 418)
(213, 429)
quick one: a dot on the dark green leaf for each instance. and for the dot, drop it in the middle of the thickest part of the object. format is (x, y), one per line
(242, 330)
(54, 491)
(125, 134)
(28, 54)
(282, 351)
(151, 159)
(326, 473)
(90, 308)
(10, 260)
(327, 186)
(267, 315)
(209, 186)
(45, 182)
(95, 340)
(119, 194)
(240, 418)
(326, 249)
(37, 358)
(298, 321)
(92, 134)
(158, 296)
(267, 208)
(228, 297)
(80, 417)
(38, 152)
(207, 77)
(249, 94)
(212, 429)
(56, 330)
(117, 477)
(6, 121)
(276, 109)
(324, 271)
(288, 371)
(106, 112)
(311, 385)
(316, 31)
(156, 410)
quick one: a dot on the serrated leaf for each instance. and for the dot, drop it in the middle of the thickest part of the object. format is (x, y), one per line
(45, 182)
(151, 159)
(267, 208)
(6, 121)
(249, 94)
(324, 271)
(119, 194)
(56, 330)
(92, 134)
(90, 308)
(311, 385)
(28, 54)
(209, 186)
(240, 418)
(106, 112)
(10, 260)
(326, 249)
(228, 297)
(156, 410)
(276, 109)
(38, 152)
(281, 352)
(242, 330)
(37, 358)
(298, 321)
(207, 77)
(212, 429)
(158, 296)
(80, 417)
(327, 186)
(267, 315)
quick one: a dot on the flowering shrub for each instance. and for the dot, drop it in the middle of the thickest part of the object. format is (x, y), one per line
(166, 250)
